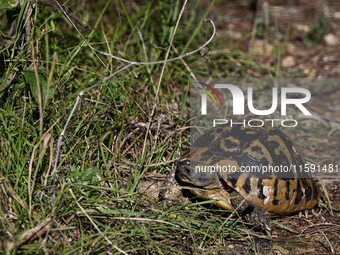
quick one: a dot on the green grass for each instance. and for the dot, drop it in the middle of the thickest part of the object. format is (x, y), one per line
(98, 204)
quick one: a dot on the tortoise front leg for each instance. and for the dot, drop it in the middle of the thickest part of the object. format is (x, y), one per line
(252, 213)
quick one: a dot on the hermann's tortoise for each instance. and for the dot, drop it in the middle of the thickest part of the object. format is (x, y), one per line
(260, 164)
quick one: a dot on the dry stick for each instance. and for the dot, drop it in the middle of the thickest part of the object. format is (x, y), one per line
(141, 63)
(64, 130)
(129, 64)
(162, 61)
(185, 64)
(82, 209)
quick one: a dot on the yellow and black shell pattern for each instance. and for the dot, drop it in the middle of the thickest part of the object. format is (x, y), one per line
(284, 189)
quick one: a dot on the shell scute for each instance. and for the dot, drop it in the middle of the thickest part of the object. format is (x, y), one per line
(281, 192)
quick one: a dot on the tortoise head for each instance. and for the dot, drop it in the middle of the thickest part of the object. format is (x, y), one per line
(198, 176)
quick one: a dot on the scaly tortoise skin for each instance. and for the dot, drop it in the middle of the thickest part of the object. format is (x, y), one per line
(274, 193)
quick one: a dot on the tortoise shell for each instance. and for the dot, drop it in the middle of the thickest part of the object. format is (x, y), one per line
(262, 164)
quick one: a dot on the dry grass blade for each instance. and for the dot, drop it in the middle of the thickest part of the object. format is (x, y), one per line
(46, 138)
(38, 87)
(29, 235)
(93, 170)
(161, 75)
(6, 189)
(96, 227)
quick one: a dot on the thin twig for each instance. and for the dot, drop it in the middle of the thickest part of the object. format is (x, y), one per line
(142, 63)
(60, 139)
(129, 64)
(161, 76)
(162, 61)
